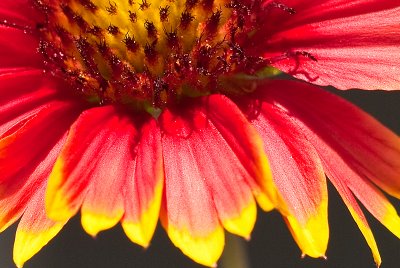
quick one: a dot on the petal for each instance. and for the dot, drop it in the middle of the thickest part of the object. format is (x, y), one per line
(117, 181)
(370, 196)
(19, 12)
(18, 49)
(35, 230)
(299, 178)
(344, 179)
(359, 218)
(19, 102)
(246, 144)
(14, 205)
(87, 157)
(206, 181)
(364, 143)
(192, 225)
(55, 116)
(345, 138)
(143, 186)
(355, 43)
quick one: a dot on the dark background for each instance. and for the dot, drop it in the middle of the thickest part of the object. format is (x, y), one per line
(271, 244)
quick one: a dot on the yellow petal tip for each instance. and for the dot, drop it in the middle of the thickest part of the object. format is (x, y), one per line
(141, 231)
(28, 243)
(313, 235)
(243, 223)
(93, 223)
(205, 250)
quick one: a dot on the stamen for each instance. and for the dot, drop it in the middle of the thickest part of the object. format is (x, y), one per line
(112, 8)
(132, 16)
(172, 39)
(186, 19)
(164, 12)
(88, 5)
(112, 29)
(207, 4)
(191, 3)
(150, 52)
(144, 5)
(151, 29)
(130, 43)
(81, 23)
(213, 21)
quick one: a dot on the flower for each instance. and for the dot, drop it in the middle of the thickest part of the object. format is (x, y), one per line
(134, 111)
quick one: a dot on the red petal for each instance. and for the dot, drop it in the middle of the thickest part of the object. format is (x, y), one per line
(22, 95)
(30, 142)
(18, 49)
(144, 185)
(19, 12)
(299, 178)
(355, 43)
(209, 149)
(365, 144)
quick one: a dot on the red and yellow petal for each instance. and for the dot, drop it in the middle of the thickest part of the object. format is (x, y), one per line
(342, 176)
(113, 170)
(349, 183)
(345, 139)
(206, 182)
(103, 205)
(189, 215)
(30, 115)
(246, 144)
(93, 136)
(298, 175)
(193, 225)
(144, 186)
(35, 229)
(369, 147)
(355, 45)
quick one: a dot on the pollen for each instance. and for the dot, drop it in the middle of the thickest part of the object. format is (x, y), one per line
(143, 52)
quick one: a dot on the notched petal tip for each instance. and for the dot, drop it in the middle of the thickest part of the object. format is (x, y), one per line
(243, 223)
(29, 242)
(141, 231)
(93, 222)
(313, 236)
(205, 250)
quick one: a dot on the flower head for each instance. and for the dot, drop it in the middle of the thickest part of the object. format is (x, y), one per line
(135, 111)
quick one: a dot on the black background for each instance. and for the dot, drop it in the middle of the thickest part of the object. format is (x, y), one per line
(271, 244)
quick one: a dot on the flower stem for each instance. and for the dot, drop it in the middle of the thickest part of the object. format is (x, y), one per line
(235, 254)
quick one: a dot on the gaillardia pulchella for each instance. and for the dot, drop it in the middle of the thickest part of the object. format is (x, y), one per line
(137, 110)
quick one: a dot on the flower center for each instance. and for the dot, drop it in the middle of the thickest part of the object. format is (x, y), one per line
(143, 52)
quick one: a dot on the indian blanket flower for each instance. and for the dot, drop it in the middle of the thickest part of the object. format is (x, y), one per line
(135, 111)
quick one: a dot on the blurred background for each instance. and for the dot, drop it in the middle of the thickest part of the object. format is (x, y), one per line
(271, 244)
